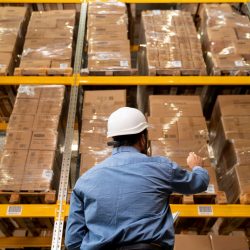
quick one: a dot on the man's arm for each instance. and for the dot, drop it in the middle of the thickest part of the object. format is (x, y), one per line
(76, 227)
(190, 182)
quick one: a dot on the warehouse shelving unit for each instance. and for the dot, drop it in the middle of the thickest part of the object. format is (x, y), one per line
(60, 210)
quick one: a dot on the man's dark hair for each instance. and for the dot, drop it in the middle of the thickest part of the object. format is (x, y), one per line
(127, 140)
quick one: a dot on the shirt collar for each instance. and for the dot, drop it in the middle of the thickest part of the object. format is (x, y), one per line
(124, 149)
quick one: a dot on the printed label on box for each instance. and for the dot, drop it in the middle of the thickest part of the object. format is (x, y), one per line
(124, 63)
(156, 12)
(63, 65)
(210, 189)
(239, 63)
(176, 64)
(47, 174)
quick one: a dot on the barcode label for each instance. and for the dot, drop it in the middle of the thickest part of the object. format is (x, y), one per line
(205, 210)
(210, 189)
(63, 65)
(239, 63)
(176, 64)
(14, 210)
(47, 174)
(124, 63)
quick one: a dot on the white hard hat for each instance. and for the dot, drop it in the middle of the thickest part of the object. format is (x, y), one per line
(126, 121)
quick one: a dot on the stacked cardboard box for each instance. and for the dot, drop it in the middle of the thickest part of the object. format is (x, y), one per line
(226, 39)
(210, 242)
(171, 43)
(230, 139)
(97, 107)
(178, 127)
(48, 43)
(29, 159)
(12, 25)
(107, 35)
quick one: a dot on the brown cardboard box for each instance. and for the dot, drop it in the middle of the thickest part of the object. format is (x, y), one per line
(243, 32)
(174, 106)
(25, 107)
(28, 91)
(98, 126)
(14, 160)
(228, 242)
(44, 140)
(192, 242)
(178, 152)
(102, 103)
(230, 105)
(18, 139)
(38, 159)
(221, 33)
(49, 107)
(53, 92)
(46, 122)
(21, 122)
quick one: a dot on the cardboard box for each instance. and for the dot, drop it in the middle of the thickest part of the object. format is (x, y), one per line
(18, 139)
(49, 107)
(14, 160)
(175, 106)
(21, 122)
(25, 107)
(192, 242)
(228, 242)
(243, 33)
(28, 91)
(53, 92)
(46, 122)
(42, 160)
(230, 105)
(101, 103)
(98, 126)
(44, 140)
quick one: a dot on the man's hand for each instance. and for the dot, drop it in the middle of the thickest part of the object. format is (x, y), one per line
(194, 160)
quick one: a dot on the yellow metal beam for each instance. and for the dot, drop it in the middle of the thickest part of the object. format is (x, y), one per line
(37, 80)
(3, 126)
(25, 211)
(45, 211)
(19, 242)
(127, 1)
(164, 80)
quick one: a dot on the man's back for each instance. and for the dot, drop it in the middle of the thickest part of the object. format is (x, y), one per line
(124, 200)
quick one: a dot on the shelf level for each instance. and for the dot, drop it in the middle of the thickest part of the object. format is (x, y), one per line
(46, 211)
(20, 242)
(126, 1)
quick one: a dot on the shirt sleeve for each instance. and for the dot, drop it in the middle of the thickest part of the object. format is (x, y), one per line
(189, 182)
(76, 226)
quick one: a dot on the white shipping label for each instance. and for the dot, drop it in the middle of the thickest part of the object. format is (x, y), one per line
(47, 174)
(239, 63)
(156, 12)
(210, 189)
(124, 63)
(14, 210)
(205, 210)
(63, 65)
(176, 64)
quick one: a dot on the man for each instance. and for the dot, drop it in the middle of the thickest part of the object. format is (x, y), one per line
(123, 202)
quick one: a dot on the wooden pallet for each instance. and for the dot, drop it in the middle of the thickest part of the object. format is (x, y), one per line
(176, 72)
(27, 197)
(130, 72)
(230, 72)
(203, 198)
(43, 72)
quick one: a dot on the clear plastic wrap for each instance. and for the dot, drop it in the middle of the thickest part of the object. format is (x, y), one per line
(226, 39)
(171, 42)
(49, 40)
(11, 29)
(108, 45)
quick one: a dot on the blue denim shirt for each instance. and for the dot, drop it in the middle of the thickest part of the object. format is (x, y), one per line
(124, 199)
